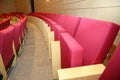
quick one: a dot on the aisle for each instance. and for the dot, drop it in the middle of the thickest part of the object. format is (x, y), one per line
(33, 63)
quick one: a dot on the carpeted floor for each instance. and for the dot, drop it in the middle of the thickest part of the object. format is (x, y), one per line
(33, 63)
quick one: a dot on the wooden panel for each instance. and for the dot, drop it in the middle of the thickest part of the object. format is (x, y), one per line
(23, 6)
(6, 6)
(91, 72)
(98, 9)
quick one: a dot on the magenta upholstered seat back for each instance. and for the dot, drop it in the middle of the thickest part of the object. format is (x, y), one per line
(112, 70)
(52, 16)
(71, 51)
(57, 30)
(17, 27)
(96, 37)
(56, 17)
(48, 15)
(7, 52)
(71, 24)
(62, 20)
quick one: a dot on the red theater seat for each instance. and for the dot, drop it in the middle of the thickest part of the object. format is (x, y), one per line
(95, 37)
(7, 50)
(58, 29)
(71, 51)
(16, 37)
(62, 20)
(71, 24)
(112, 71)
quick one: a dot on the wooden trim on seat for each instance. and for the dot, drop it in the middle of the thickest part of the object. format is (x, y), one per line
(14, 51)
(90, 72)
(56, 57)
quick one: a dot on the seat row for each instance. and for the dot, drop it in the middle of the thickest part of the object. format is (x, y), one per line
(83, 41)
(11, 42)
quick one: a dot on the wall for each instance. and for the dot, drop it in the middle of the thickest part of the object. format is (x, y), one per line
(53, 6)
(108, 10)
(7, 6)
(22, 6)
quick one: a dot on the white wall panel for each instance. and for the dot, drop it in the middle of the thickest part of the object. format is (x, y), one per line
(23, 6)
(99, 9)
(7, 6)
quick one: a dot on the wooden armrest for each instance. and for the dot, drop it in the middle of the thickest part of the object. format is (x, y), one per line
(91, 72)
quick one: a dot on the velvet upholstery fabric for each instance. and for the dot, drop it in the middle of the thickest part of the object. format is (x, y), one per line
(71, 51)
(7, 52)
(96, 37)
(112, 70)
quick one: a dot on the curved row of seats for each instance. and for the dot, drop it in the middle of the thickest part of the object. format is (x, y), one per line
(11, 39)
(83, 41)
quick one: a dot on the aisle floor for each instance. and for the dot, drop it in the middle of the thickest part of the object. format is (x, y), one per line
(33, 63)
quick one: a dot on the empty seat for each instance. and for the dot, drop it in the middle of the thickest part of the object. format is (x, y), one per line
(95, 37)
(7, 50)
(112, 70)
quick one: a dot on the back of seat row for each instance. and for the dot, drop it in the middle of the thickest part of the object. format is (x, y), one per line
(94, 36)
